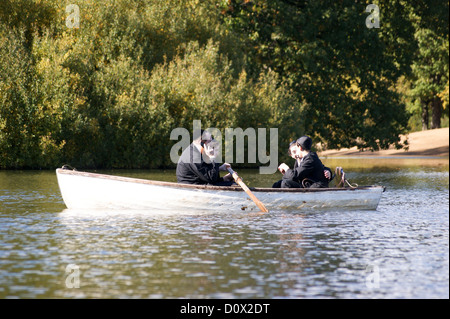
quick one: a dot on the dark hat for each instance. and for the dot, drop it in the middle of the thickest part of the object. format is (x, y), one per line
(305, 142)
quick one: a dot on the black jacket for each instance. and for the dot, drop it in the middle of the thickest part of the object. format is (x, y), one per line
(311, 168)
(192, 169)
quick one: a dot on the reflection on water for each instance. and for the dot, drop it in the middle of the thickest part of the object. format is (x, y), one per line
(399, 251)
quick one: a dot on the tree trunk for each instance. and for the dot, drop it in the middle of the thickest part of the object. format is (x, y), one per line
(424, 115)
(436, 111)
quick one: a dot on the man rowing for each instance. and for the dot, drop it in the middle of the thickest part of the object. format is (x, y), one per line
(197, 166)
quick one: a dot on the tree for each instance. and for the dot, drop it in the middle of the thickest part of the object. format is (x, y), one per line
(108, 94)
(430, 74)
(430, 67)
(344, 71)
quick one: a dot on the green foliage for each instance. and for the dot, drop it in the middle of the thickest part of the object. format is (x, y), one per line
(108, 94)
(340, 68)
(430, 73)
(28, 119)
(424, 90)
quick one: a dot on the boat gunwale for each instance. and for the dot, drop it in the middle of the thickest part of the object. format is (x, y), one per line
(207, 186)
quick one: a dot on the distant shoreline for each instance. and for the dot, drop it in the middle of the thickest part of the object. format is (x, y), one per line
(423, 144)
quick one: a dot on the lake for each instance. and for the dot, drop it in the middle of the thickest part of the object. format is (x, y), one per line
(401, 250)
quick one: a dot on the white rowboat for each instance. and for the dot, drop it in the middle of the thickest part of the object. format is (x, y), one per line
(92, 191)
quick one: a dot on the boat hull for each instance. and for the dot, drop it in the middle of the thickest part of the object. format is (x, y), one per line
(90, 191)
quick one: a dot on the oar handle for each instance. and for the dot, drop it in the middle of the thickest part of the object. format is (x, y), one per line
(233, 173)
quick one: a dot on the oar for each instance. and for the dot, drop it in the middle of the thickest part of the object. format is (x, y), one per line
(247, 190)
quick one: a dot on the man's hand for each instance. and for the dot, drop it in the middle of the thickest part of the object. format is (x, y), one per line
(283, 168)
(327, 174)
(228, 177)
(224, 167)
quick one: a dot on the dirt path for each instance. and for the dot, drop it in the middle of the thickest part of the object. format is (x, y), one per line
(424, 143)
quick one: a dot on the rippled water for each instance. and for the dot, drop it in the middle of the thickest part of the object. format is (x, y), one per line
(401, 250)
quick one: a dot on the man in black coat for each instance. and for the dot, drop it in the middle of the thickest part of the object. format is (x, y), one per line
(196, 164)
(308, 170)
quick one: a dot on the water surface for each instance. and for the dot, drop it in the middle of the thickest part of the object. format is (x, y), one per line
(401, 250)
